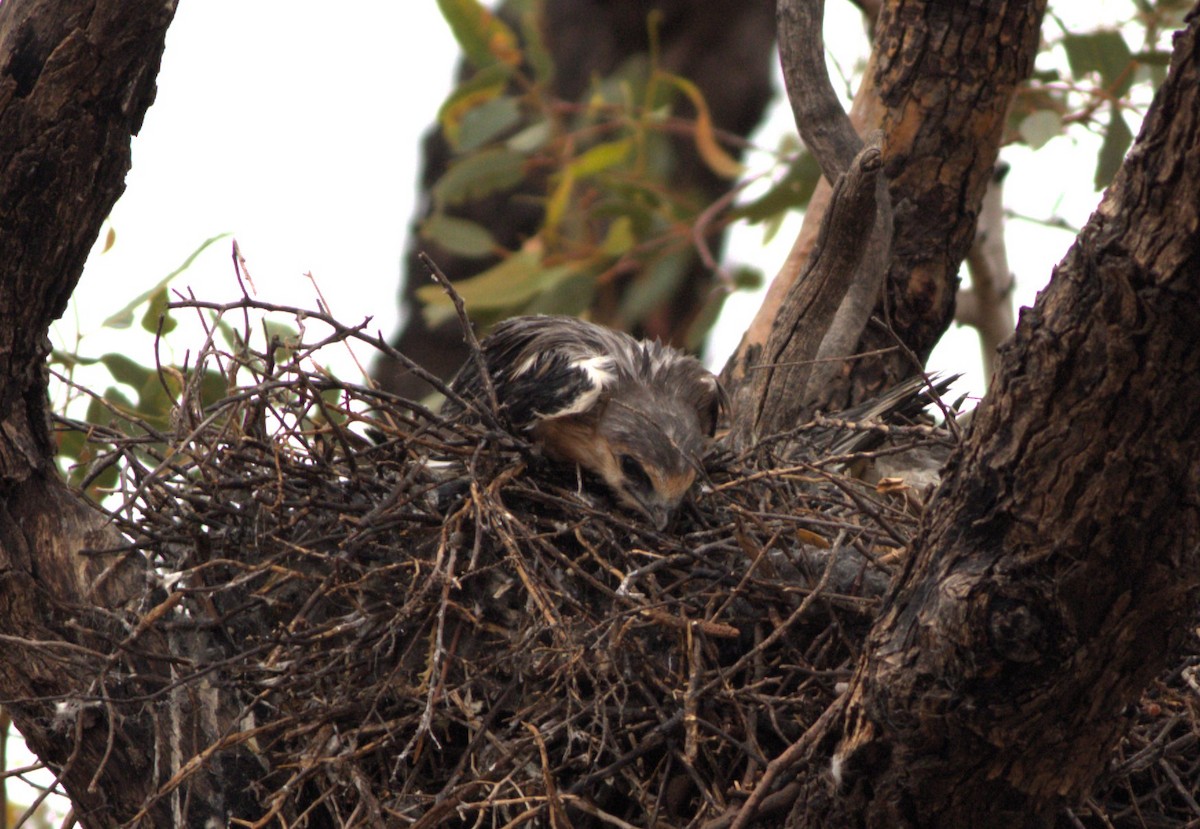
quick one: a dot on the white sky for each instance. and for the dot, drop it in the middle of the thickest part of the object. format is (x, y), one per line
(297, 129)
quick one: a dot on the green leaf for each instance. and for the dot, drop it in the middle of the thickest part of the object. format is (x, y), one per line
(124, 317)
(478, 175)
(657, 282)
(537, 55)
(572, 296)
(1153, 58)
(459, 236)
(213, 387)
(600, 158)
(1117, 139)
(70, 443)
(485, 85)
(155, 404)
(487, 121)
(1103, 52)
(159, 307)
(620, 237)
(69, 361)
(1152, 67)
(791, 192)
(484, 38)
(531, 139)
(506, 286)
(116, 399)
(125, 370)
(746, 278)
(705, 319)
(1040, 127)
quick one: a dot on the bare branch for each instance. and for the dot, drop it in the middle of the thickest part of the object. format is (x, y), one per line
(988, 305)
(769, 402)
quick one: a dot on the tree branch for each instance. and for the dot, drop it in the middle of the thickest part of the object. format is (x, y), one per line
(769, 403)
(1059, 566)
(988, 305)
(75, 81)
(939, 84)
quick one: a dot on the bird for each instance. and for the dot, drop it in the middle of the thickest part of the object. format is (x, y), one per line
(636, 413)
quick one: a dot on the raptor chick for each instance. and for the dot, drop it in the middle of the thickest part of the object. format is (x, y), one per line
(638, 414)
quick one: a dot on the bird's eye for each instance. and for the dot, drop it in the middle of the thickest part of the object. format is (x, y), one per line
(634, 472)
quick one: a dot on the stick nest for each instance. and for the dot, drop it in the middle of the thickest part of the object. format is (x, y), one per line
(490, 641)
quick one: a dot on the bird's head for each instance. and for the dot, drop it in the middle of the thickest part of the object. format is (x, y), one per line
(645, 447)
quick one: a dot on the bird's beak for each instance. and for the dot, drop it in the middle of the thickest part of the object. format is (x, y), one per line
(659, 515)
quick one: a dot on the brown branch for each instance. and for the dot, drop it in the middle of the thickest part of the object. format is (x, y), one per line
(988, 305)
(823, 124)
(1059, 565)
(769, 402)
(938, 84)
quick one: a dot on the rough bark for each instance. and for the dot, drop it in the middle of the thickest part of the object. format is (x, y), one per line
(75, 81)
(938, 84)
(1059, 562)
(723, 47)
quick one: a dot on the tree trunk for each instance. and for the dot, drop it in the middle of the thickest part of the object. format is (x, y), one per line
(1059, 562)
(75, 81)
(939, 84)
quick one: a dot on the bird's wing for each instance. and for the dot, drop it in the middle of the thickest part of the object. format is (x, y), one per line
(545, 367)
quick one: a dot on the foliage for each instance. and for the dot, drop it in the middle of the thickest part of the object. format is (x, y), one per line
(1094, 79)
(598, 169)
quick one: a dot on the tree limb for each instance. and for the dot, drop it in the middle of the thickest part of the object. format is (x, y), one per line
(1059, 566)
(988, 305)
(938, 84)
(769, 403)
(75, 81)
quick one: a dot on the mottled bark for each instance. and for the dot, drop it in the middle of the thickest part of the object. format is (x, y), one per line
(75, 80)
(1059, 562)
(938, 85)
(770, 401)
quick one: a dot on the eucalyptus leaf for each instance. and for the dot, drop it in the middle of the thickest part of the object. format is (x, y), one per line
(487, 122)
(484, 38)
(124, 317)
(1104, 52)
(459, 236)
(478, 175)
(1040, 127)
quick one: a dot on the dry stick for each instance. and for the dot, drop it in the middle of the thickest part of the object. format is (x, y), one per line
(797, 750)
(468, 332)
